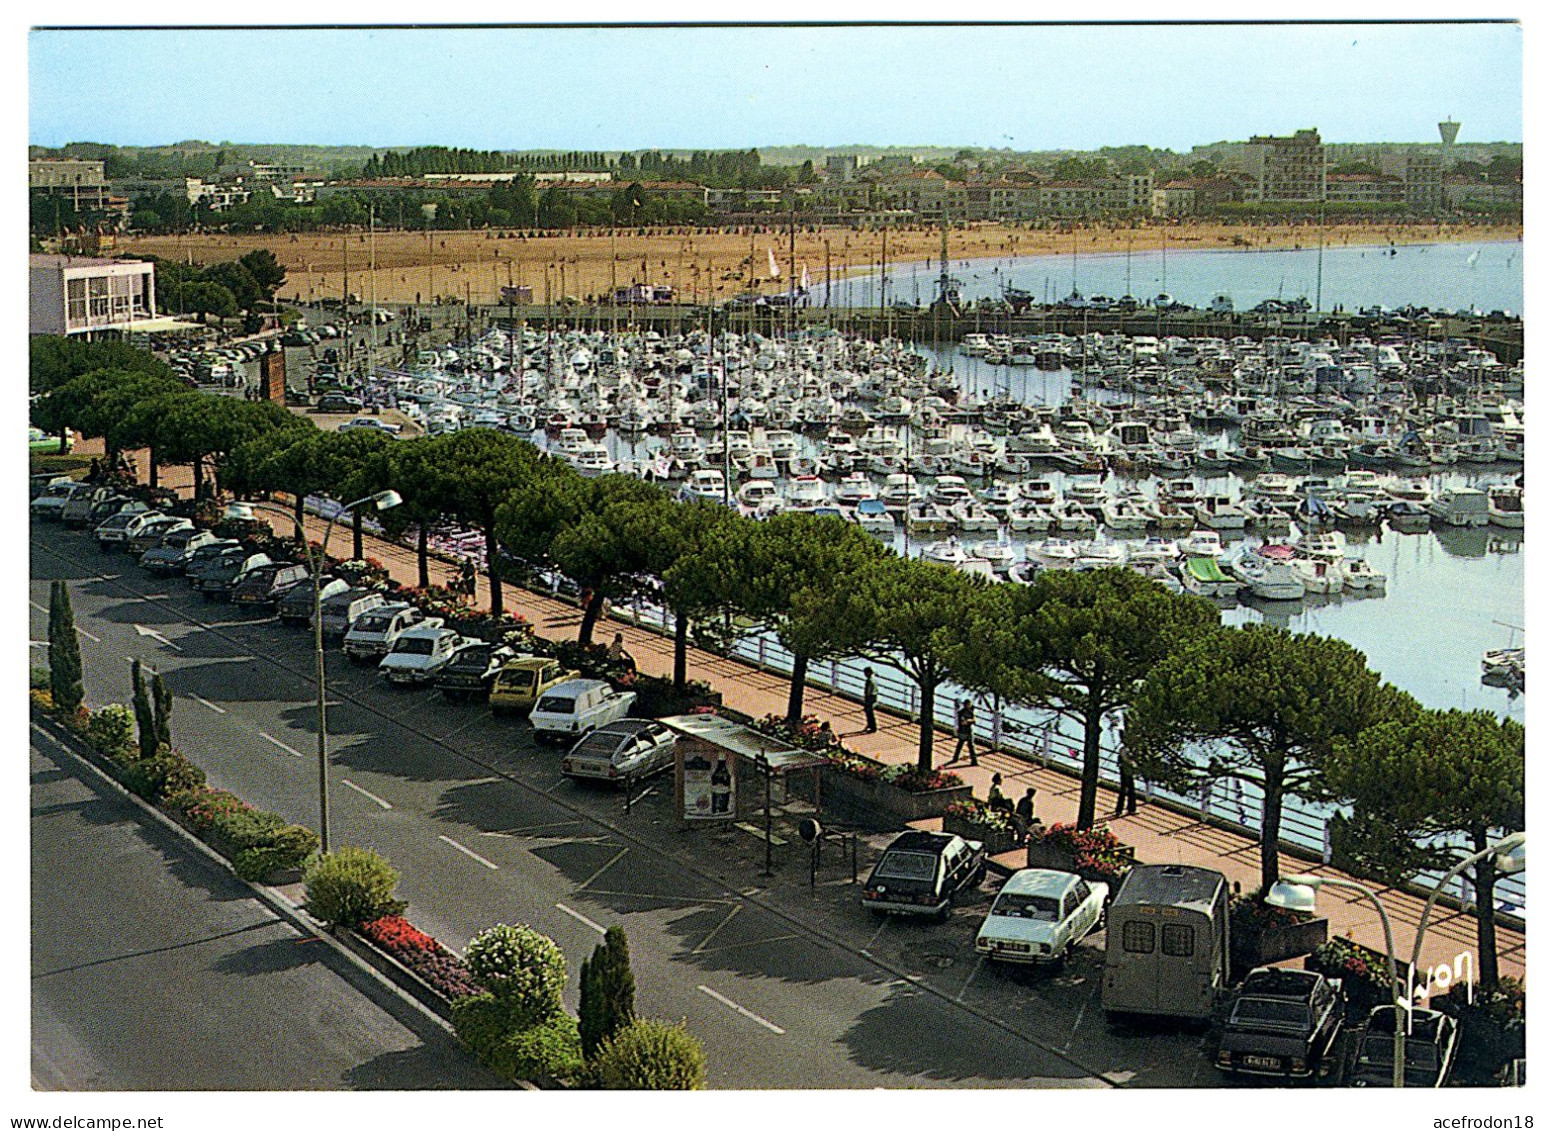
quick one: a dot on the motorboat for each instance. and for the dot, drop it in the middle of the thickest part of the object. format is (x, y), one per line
(1203, 576)
(1461, 506)
(805, 493)
(999, 554)
(1269, 579)
(1100, 555)
(757, 498)
(1122, 515)
(948, 552)
(1327, 544)
(1053, 553)
(973, 518)
(1025, 516)
(1202, 544)
(706, 484)
(927, 517)
(1506, 506)
(854, 488)
(873, 517)
(1362, 577)
(1319, 575)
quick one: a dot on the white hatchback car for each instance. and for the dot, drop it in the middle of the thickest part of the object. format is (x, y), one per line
(419, 653)
(577, 706)
(1039, 914)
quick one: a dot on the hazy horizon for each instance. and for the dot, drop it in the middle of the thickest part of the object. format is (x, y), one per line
(1086, 87)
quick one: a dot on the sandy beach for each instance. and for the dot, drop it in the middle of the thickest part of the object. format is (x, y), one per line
(474, 265)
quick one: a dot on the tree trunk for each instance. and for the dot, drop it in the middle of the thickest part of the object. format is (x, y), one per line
(423, 555)
(359, 535)
(1485, 911)
(64, 440)
(925, 725)
(198, 477)
(1088, 789)
(300, 516)
(801, 667)
(591, 615)
(155, 469)
(682, 626)
(495, 586)
(1270, 822)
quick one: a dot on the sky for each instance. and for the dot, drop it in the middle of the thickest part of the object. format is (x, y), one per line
(1080, 87)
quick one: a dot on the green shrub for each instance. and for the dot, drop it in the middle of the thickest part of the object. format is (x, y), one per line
(606, 991)
(649, 1056)
(289, 848)
(111, 730)
(482, 1021)
(38, 679)
(548, 1049)
(522, 967)
(351, 886)
(165, 774)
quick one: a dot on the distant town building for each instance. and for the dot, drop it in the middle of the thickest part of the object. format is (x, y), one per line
(265, 171)
(78, 295)
(83, 182)
(1283, 168)
(1363, 188)
(216, 197)
(925, 193)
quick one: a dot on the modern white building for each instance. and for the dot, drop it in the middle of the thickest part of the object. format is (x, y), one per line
(72, 294)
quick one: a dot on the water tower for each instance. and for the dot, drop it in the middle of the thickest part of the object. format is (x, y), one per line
(1449, 131)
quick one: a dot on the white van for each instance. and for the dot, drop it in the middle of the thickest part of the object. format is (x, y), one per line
(340, 611)
(577, 706)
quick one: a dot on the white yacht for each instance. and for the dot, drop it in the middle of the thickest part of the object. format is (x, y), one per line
(1506, 507)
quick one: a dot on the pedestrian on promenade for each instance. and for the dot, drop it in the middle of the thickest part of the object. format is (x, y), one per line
(618, 653)
(996, 799)
(870, 700)
(469, 579)
(1126, 798)
(1024, 814)
(964, 730)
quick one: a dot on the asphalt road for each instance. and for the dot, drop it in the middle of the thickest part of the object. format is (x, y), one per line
(786, 986)
(152, 969)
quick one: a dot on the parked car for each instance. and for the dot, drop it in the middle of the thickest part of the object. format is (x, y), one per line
(37, 484)
(1431, 1039)
(207, 555)
(152, 532)
(267, 584)
(172, 553)
(339, 612)
(113, 531)
(471, 668)
(338, 402)
(218, 581)
(1282, 1024)
(1039, 915)
(627, 750)
(136, 526)
(107, 507)
(77, 506)
(369, 424)
(578, 706)
(921, 873)
(297, 605)
(50, 503)
(524, 680)
(418, 654)
(372, 635)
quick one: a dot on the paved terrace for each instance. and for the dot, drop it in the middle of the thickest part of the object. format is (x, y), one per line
(1157, 833)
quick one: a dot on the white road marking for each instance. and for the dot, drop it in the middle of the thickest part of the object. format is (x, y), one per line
(642, 795)
(883, 923)
(367, 793)
(586, 920)
(211, 706)
(154, 635)
(741, 1010)
(38, 643)
(35, 605)
(980, 959)
(733, 911)
(280, 745)
(463, 848)
(596, 874)
(98, 639)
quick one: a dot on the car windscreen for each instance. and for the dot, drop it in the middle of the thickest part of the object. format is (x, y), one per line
(598, 746)
(473, 657)
(370, 623)
(415, 646)
(556, 705)
(1019, 906)
(907, 866)
(1271, 1011)
(520, 677)
(1378, 1048)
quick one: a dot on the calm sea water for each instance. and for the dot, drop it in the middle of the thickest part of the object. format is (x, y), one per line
(1481, 276)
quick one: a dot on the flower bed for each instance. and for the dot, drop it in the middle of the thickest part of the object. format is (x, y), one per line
(423, 955)
(1364, 973)
(973, 820)
(1094, 854)
(1260, 934)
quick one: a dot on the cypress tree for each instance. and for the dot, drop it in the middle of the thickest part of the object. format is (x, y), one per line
(63, 652)
(606, 989)
(144, 713)
(162, 696)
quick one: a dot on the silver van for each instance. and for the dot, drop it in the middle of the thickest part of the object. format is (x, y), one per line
(1166, 942)
(341, 611)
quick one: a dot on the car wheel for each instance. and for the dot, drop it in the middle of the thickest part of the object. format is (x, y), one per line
(942, 914)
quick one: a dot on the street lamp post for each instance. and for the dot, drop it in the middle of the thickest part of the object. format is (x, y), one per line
(315, 559)
(1296, 893)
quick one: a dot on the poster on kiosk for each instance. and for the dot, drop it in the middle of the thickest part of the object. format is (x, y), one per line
(709, 782)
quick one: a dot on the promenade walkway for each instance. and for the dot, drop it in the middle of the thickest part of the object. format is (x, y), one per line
(1157, 833)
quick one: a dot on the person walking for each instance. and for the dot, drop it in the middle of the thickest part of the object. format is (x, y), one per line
(870, 700)
(964, 730)
(1024, 814)
(469, 579)
(1126, 797)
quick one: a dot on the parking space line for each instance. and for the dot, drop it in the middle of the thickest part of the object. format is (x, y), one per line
(980, 960)
(586, 920)
(724, 922)
(280, 745)
(596, 874)
(211, 706)
(484, 861)
(367, 793)
(642, 795)
(883, 923)
(741, 1010)
(89, 636)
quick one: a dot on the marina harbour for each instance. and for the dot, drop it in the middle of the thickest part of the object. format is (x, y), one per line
(1365, 490)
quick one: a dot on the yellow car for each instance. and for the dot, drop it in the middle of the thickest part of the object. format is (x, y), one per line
(524, 680)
